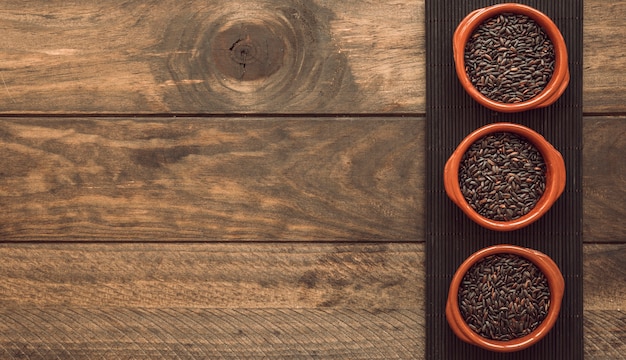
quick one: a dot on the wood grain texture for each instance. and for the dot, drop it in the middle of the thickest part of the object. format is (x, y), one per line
(79, 333)
(245, 300)
(248, 179)
(605, 334)
(604, 179)
(604, 276)
(220, 57)
(604, 81)
(242, 275)
(133, 217)
(245, 275)
(147, 57)
(211, 179)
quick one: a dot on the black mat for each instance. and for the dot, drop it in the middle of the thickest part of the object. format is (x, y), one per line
(450, 236)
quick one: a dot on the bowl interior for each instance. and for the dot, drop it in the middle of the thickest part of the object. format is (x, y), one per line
(555, 283)
(507, 67)
(560, 76)
(522, 270)
(531, 137)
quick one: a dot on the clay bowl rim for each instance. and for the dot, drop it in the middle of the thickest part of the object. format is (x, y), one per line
(556, 283)
(560, 77)
(555, 176)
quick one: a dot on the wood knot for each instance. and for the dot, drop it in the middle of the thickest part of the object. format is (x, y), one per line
(247, 52)
(278, 58)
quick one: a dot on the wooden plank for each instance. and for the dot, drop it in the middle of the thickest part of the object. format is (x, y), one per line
(357, 57)
(250, 275)
(604, 183)
(605, 334)
(216, 275)
(211, 179)
(238, 300)
(177, 333)
(218, 57)
(80, 333)
(604, 275)
(248, 179)
(604, 81)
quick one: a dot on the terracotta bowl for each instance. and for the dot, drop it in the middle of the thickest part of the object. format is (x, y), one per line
(560, 77)
(555, 176)
(556, 284)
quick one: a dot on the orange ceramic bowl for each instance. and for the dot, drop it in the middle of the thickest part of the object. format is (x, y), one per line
(560, 77)
(555, 176)
(555, 282)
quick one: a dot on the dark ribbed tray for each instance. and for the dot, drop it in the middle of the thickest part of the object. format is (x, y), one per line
(450, 236)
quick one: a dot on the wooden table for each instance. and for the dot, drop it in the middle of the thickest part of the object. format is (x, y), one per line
(246, 179)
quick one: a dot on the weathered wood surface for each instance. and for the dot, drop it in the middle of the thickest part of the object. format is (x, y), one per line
(178, 333)
(203, 179)
(250, 275)
(604, 79)
(605, 332)
(222, 275)
(604, 179)
(218, 57)
(357, 179)
(78, 333)
(604, 272)
(247, 237)
(238, 57)
(247, 300)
